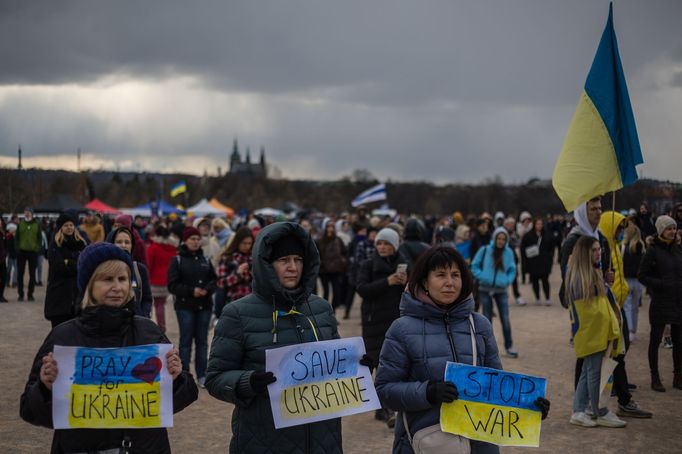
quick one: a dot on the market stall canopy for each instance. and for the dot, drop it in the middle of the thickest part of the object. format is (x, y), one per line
(101, 207)
(216, 204)
(58, 203)
(204, 208)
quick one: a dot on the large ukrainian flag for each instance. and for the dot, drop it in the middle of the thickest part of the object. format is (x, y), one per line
(601, 148)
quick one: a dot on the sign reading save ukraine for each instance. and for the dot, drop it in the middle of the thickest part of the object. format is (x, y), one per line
(318, 381)
(493, 406)
(128, 387)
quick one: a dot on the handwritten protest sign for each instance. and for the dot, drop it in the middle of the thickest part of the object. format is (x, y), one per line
(318, 381)
(112, 387)
(493, 406)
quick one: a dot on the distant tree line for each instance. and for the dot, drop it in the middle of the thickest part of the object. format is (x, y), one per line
(19, 188)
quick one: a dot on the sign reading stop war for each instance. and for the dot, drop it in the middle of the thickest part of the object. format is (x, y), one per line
(127, 387)
(318, 381)
(493, 406)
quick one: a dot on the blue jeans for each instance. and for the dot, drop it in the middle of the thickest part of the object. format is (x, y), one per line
(502, 301)
(631, 306)
(587, 392)
(194, 326)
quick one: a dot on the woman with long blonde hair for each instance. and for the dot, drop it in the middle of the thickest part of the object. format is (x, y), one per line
(632, 250)
(61, 295)
(596, 331)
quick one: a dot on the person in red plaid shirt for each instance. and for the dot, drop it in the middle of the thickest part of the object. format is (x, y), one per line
(234, 268)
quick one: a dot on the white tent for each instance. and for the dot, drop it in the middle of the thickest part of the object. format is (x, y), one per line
(203, 208)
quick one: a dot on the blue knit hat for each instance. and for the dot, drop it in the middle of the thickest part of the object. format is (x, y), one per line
(94, 255)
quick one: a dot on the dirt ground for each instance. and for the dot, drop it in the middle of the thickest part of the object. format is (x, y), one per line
(540, 334)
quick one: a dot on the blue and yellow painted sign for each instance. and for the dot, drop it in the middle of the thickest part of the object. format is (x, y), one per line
(494, 406)
(112, 387)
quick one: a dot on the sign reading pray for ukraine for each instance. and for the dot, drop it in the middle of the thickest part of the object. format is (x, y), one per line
(318, 381)
(127, 387)
(493, 406)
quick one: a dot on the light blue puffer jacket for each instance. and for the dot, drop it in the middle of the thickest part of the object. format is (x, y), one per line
(483, 266)
(416, 350)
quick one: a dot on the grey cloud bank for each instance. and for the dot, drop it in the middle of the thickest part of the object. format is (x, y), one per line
(436, 90)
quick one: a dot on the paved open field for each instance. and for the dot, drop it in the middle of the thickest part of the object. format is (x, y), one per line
(540, 335)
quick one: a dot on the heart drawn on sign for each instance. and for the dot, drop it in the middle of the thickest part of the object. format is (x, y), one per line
(148, 370)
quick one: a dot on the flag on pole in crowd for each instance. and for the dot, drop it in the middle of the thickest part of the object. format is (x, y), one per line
(178, 188)
(601, 148)
(373, 194)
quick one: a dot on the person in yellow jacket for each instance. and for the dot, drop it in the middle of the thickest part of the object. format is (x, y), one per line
(612, 225)
(595, 323)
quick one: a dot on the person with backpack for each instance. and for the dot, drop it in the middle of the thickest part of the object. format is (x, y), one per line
(192, 279)
(494, 268)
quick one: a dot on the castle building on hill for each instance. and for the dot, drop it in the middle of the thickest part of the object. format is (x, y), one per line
(246, 167)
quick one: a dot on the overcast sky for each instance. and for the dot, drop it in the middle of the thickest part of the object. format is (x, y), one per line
(445, 91)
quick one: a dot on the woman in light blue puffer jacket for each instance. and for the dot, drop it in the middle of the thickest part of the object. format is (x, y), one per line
(494, 269)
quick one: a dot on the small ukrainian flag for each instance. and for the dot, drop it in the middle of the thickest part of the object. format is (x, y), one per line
(601, 149)
(178, 188)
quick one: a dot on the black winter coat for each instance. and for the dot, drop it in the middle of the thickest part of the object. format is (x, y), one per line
(187, 271)
(380, 302)
(246, 329)
(540, 265)
(661, 272)
(632, 260)
(61, 295)
(101, 326)
(143, 291)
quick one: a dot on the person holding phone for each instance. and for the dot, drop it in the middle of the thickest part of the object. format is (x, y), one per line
(381, 281)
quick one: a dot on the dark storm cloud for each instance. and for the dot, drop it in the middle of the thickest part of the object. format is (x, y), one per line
(410, 90)
(385, 52)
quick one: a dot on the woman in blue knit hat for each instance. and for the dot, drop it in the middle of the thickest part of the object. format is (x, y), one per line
(106, 320)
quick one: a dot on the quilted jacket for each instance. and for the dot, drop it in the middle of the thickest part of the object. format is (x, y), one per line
(245, 330)
(416, 350)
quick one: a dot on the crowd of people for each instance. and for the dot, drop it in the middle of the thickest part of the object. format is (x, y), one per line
(428, 286)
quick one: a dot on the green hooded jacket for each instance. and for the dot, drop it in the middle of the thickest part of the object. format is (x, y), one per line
(243, 333)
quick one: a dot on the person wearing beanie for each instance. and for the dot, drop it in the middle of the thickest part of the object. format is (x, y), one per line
(124, 237)
(193, 280)
(62, 301)
(661, 272)
(104, 278)
(381, 280)
(282, 310)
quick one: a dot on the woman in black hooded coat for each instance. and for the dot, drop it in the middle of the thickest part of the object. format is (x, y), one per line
(61, 295)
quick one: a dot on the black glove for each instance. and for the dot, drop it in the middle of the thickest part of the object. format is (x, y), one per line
(543, 405)
(367, 361)
(259, 381)
(438, 392)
